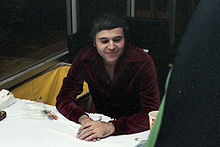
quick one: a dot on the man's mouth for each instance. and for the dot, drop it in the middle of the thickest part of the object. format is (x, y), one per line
(111, 53)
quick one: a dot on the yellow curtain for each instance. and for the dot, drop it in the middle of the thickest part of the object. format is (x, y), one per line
(45, 87)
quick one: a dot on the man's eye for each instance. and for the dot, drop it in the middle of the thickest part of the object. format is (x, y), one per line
(117, 40)
(104, 41)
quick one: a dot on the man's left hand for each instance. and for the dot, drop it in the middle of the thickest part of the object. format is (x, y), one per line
(95, 130)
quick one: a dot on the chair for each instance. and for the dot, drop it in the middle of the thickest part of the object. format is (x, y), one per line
(148, 33)
(153, 35)
(46, 86)
(77, 41)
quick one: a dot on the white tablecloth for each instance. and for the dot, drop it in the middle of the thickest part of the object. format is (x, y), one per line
(26, 126)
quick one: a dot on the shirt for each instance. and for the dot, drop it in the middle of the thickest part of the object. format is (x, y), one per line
(128, 97)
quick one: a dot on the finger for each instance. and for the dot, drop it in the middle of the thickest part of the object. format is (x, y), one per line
(88, 125)
(92, 137)
(79, 132)
(85, 134)
(85, 126)
(81, 129)
(96, 139)
(82, 132)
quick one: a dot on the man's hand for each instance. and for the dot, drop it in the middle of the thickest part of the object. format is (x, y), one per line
(84, 119)
(94, 130)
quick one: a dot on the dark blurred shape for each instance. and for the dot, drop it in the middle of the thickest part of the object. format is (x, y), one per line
(191, 113)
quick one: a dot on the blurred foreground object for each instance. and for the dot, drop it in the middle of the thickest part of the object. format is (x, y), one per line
(191, 111)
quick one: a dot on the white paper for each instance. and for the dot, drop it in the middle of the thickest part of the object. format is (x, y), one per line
(6, 99)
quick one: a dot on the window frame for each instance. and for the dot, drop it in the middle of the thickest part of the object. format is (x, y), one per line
(24, 74)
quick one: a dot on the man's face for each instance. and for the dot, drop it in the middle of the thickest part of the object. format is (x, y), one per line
(110, 44)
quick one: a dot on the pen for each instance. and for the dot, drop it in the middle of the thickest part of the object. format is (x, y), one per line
(50, 114)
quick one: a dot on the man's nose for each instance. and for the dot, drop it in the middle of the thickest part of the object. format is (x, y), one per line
(111, 44)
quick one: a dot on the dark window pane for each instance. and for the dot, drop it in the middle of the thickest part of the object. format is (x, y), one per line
(143, 8)
(162, 9)
(89, 9)
(30, 31)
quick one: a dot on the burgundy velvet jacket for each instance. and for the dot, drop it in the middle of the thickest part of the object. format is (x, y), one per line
(128, 98)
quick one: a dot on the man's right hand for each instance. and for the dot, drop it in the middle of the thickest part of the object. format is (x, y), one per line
(94, 130)
(84, 119)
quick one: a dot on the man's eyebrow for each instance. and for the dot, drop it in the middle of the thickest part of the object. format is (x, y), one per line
(103, 38)
(120, 36)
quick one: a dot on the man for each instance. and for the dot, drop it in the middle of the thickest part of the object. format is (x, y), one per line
(122, 81)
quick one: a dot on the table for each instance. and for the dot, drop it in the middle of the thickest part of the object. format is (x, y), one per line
(26, 126)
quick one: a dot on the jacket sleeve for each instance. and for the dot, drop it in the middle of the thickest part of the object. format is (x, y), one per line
(149, 100)
(72, 86)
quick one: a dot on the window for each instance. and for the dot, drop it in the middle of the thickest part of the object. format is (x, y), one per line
(178, 13)
(89, 9)
(30, 31)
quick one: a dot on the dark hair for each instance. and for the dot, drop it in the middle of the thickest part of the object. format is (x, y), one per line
(108, 21)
